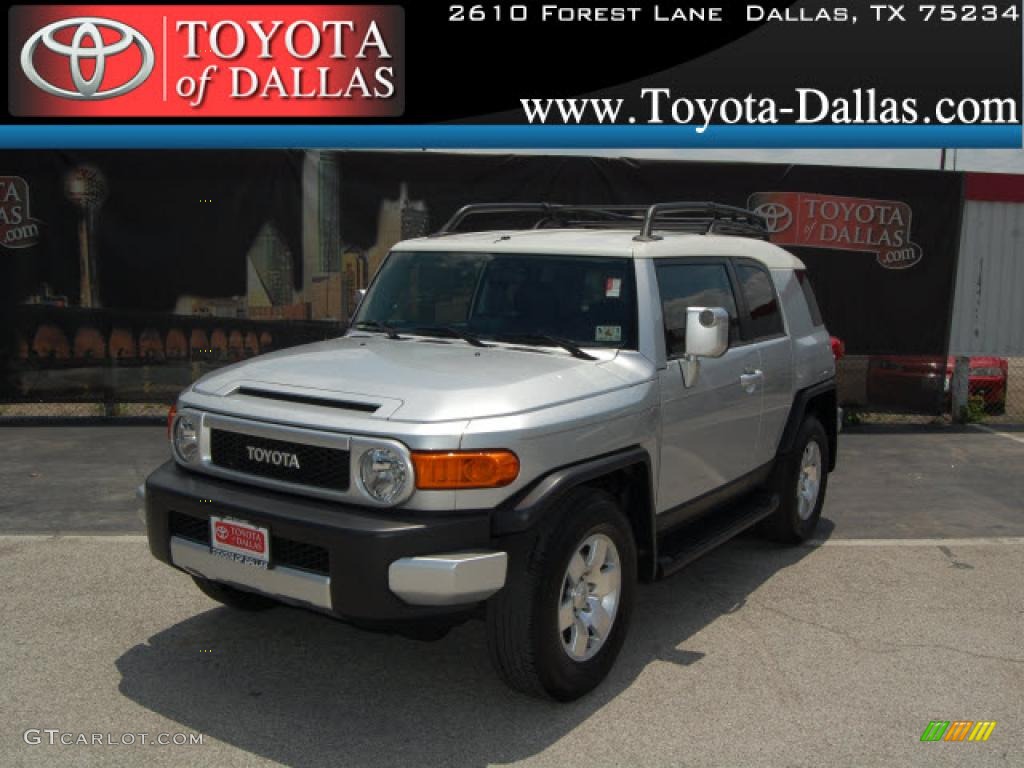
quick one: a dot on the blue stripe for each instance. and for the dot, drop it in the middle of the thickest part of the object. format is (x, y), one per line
(244, 136)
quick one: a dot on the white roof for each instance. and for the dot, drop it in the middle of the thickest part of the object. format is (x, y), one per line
(607, 242)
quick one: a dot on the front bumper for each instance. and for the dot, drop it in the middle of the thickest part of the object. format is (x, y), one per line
(356, 563)
(291, 585)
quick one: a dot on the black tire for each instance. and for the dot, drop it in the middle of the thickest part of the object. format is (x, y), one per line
(787, 525)
(523, 637)
(233, 598)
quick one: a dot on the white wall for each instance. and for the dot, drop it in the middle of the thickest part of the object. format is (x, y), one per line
(988, 310)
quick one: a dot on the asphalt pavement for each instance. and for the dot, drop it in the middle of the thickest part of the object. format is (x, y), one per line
(908, 608)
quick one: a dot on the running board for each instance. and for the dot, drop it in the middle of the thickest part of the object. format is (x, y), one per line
(686, 544)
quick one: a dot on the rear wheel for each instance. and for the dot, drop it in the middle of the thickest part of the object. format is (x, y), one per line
(233, 598)
(557, 626)
(801, 483)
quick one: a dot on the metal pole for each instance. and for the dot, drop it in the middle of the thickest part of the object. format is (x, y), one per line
(959, 389)
(84, 263)
(94, 275)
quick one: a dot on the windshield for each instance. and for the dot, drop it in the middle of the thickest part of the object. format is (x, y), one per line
(587, 301)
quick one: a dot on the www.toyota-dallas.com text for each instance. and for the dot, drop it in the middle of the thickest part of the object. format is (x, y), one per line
(808, 106)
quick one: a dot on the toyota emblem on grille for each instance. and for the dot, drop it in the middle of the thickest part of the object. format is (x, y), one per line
(88, 28)
(276, 458)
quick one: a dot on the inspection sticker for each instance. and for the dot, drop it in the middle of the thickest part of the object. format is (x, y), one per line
(613, 287)
(608, 333)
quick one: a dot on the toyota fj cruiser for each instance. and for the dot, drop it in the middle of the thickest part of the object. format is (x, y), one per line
(519, 424)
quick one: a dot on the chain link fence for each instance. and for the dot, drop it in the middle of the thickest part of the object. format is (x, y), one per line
(889, 390)
(15, 412)
(995, 386)
(996, 391)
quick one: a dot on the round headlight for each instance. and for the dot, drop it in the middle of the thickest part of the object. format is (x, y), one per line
(186, 437)
(384, 474)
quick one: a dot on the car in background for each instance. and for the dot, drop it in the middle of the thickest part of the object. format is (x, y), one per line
(987, 379)
(838, 353)
(922, 383)
(838, 347)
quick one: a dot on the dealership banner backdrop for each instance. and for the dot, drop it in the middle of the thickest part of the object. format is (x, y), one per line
(125, 275)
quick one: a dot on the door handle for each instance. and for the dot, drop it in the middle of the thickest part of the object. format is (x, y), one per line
(750, 378)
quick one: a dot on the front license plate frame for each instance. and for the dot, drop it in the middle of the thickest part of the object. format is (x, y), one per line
(240, 540)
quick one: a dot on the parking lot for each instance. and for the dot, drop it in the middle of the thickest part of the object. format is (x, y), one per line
(907, 608)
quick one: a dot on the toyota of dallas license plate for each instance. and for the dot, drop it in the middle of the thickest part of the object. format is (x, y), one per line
(240, 541)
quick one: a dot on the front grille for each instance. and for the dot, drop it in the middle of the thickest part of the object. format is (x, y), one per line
(277, 459)
(286, 552)
(295, 554)
(188, 527)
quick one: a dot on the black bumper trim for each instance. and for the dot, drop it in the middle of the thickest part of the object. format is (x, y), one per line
(285, 552)
(361, 542)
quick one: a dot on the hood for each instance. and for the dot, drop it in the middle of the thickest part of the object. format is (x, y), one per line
(422, 380)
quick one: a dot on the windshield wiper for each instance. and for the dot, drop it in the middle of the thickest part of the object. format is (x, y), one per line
(544, 339)
(453, 332)
(374, 325)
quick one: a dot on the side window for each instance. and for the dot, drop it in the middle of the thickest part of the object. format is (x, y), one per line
(812, 303)
(759, 294)
(693, 285)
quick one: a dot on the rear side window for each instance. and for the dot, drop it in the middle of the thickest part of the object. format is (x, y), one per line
(693, 285)
(759, 294)
(812, 303)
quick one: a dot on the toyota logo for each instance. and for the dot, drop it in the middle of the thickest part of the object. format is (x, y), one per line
(87, 28)
(777, 217)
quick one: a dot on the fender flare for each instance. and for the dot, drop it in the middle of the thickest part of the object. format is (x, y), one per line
(526, 509)
(796, 418)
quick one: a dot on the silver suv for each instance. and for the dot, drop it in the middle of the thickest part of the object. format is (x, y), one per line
(519, 424)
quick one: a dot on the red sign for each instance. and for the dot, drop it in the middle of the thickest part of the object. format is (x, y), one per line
(206, 61)
(240, 537)
(840, 223)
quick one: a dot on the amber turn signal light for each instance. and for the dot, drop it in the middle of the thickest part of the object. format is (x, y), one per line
(170, 419)
(451, 470)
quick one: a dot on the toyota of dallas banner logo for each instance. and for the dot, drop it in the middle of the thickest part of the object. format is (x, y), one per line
(87, 45)
(206, 61)
(840, 223)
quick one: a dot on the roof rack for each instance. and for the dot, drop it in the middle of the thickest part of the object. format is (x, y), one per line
(696, 217)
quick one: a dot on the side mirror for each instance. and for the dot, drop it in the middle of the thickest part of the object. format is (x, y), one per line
(707, 335)
(707, 331)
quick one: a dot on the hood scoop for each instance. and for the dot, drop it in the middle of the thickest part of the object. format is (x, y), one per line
(323, 402)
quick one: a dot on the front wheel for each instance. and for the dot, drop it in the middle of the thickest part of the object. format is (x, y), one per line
(801, 483)
(557, 626)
